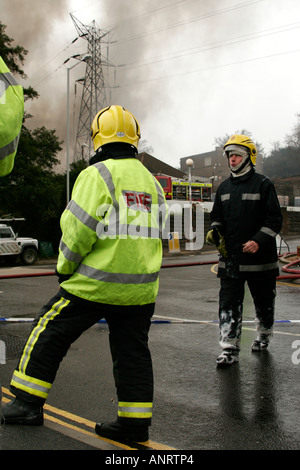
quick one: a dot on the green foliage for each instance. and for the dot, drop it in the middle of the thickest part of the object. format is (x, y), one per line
(75, 169)
(284, 161)
(33, 190)
(11, 55)
(14, 57)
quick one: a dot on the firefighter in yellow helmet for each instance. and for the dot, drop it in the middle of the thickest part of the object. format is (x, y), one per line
(115, 125)
(11, 117)
(245, 220)
(108, 266)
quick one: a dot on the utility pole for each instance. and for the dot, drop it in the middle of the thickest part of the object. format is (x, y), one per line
(93, 94)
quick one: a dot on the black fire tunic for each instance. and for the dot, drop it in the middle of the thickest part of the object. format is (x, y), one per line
(247, 208)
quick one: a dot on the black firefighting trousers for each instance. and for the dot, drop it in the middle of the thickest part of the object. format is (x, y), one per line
(60, 322)
(231, 298)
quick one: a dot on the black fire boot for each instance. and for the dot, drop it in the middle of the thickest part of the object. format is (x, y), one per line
(20, 412)
(118, 431)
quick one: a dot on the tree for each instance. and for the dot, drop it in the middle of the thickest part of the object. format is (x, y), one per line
(32, 190)
(284, 161)
(11, 55)
(293, 139)
(14, 57)
(75, 169)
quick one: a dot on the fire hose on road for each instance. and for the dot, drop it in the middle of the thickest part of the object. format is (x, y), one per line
(291, 273)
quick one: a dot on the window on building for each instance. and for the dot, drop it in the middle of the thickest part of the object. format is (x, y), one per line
(207, 161)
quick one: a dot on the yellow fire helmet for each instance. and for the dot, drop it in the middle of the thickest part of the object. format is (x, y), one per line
(244, 141)
(115, 124)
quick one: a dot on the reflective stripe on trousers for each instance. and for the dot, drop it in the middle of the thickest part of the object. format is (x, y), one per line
(61, 321)
(21, 379)
(134, 410)
(31, 385)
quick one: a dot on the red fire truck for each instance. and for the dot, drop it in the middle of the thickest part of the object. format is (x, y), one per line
(179, 189)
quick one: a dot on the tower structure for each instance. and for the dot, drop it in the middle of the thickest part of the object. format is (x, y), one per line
(93, 95)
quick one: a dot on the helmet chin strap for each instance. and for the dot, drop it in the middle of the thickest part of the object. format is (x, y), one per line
(242, 168)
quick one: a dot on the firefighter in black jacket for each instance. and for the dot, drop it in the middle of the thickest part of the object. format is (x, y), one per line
(245, 220)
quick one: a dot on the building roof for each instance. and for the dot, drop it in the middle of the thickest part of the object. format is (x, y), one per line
(156, 166)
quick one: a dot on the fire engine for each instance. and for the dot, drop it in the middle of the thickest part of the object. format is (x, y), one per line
(179, 189)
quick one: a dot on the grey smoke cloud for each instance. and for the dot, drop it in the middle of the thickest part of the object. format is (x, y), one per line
(47, 33)
(190, 70)
(34, 25)
(46, 30)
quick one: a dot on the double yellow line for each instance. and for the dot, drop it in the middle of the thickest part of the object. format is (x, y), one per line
(81, 429)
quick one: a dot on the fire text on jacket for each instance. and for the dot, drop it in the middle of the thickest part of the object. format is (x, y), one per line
(138, 201)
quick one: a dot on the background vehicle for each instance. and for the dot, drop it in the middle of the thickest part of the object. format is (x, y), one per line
(12, 246)
(179, 189)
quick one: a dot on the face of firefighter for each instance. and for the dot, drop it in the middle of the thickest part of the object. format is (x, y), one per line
(235, 160)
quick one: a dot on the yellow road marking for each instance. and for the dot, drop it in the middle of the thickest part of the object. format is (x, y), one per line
(213, 268)
(78, 419)
(83, 431)
(293, 284)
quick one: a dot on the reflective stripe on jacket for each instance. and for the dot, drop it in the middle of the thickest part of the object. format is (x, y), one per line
(11, 116)
(110, 241)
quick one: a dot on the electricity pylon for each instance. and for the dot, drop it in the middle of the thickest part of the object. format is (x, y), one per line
(93, 95)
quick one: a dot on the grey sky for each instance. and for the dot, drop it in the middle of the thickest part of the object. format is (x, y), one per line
(192, 70)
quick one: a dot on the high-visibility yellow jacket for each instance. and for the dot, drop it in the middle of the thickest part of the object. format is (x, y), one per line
(111, 235)
(11, 116)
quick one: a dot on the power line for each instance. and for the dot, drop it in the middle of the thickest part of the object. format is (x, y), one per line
(181, 23)
(115, 25)
(215, 45)
(204, 69)
(139, 16)
(190, 20)
(48, 74)
(184, 53)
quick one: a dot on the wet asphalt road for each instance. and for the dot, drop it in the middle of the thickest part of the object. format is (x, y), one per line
(253, 405)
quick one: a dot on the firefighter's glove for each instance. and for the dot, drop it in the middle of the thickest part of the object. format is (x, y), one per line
(210, 239)
(214, 237)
